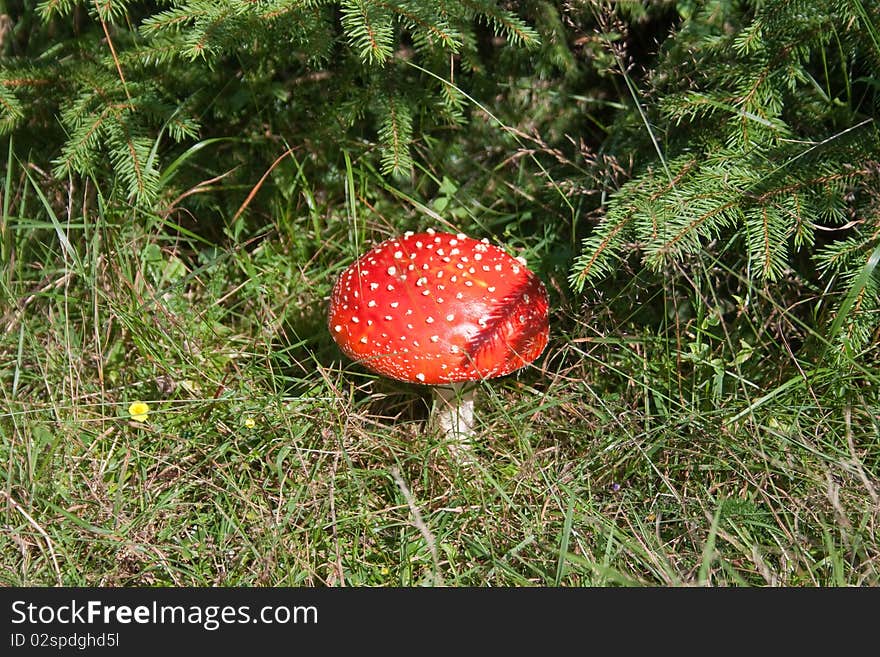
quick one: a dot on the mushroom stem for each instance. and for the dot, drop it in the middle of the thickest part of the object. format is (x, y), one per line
(454, 413)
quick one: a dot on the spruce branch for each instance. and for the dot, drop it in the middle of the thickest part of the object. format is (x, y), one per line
(50, 8)
(427, 27)
(11, 110)
(772, 165)
(505, 22)
(130, 154)
(369, 29)
(395, 133)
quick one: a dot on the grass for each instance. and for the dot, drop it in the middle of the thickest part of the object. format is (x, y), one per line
(692, 449)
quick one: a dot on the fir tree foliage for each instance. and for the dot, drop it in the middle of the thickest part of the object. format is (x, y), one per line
(131, 73)
(759, 145)
(370, 30)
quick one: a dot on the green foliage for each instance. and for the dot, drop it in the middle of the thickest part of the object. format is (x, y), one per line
(765, 117)
(122, 74)
(683, 427)
(370, 30)
(691, 129)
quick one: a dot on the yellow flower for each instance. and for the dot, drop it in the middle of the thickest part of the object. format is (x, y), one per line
(138, 411)
(249, 422)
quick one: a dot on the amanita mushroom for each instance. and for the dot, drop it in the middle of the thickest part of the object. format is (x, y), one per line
(442, 310)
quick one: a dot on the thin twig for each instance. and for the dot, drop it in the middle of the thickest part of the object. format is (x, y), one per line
(113, 53)
(260, 182)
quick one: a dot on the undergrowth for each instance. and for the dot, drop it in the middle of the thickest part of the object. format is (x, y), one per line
(692, 422)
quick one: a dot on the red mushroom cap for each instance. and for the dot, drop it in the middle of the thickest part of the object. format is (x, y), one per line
(438, 308)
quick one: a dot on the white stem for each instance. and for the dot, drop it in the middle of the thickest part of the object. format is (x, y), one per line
(454, 413)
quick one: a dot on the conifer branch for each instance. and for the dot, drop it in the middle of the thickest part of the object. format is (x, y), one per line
(368, 28)
(396, 134)
(772, 166)
(108, 11)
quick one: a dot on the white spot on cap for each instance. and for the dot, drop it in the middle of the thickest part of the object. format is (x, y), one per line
(398, 254)
(420, 376)
(426, 292)
(429, 320)
(392, 271)
(521, 260)
(364, 340)
(374, 286)
(461, 236)
(450, 317)
(390, 287)
(388, 318)
(435, 338)
(454, 349)
(430, 231)
(491, 288)
(394, 304)
(355, 320)
(337, 328)
(372, 303)
(478, 256)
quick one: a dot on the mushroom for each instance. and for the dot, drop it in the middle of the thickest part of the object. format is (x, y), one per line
(442, 310)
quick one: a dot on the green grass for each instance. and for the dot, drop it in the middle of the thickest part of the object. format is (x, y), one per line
(689, 447)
